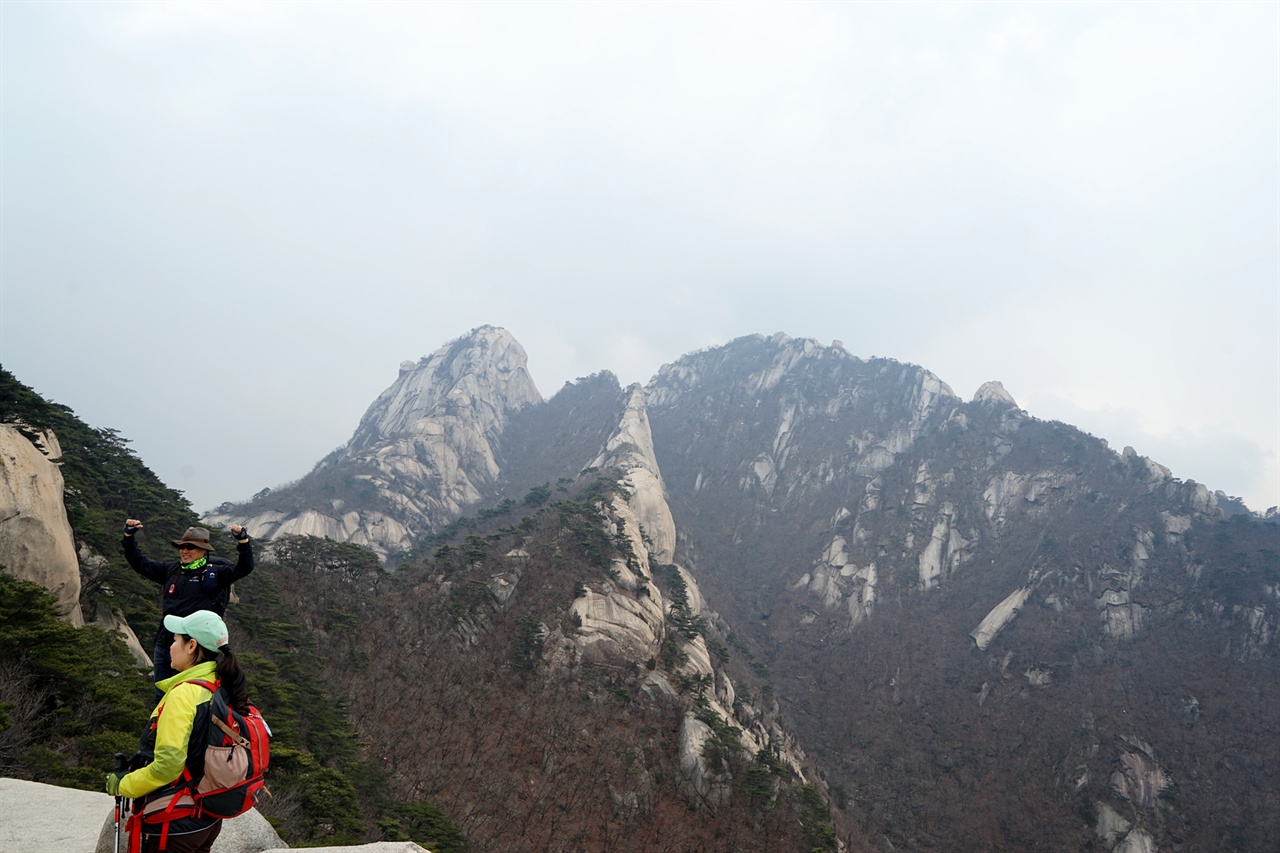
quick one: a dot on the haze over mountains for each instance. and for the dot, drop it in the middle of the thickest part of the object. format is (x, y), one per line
(987, 630)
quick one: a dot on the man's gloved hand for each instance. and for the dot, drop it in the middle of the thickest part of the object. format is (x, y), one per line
(132, 526)
(239, 532)
(113, 783)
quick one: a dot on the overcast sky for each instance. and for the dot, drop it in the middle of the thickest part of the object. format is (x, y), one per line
(224, 225)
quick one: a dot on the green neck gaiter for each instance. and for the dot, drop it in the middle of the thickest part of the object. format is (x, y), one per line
(198, 563)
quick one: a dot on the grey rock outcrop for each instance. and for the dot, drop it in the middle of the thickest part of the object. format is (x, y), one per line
(1139, 781)
(1000, 616)
(37, 818)
(36, 542)
(630, 449)
(113, 620)
(994, 393)
(627, 619)
(41, 818)
(705, 785)
(48, 819)
(614, 620)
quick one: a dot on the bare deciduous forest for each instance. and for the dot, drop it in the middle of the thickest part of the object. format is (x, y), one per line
(451, 694)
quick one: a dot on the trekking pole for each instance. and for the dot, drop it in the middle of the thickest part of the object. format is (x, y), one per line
(121, 766)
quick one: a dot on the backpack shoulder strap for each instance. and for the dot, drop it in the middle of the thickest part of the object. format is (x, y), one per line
(236, 738)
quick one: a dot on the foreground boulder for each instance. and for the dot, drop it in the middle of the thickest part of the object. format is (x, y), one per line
(249, 833)
(47, 819)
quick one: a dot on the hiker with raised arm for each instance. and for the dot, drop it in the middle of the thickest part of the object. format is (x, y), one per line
(197, 580)
(169, 813)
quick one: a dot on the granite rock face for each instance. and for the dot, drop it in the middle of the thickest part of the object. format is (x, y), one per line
(36, 542)
(630, 449)
(628, 619)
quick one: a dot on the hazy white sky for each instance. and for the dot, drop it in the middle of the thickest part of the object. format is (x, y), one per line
(224, 225)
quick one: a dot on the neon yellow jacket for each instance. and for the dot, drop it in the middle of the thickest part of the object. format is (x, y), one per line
(173, 729)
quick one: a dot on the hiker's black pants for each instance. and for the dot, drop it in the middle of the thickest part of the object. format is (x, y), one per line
(192, 842)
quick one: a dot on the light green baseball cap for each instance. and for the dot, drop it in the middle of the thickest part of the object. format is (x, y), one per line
(203, 626)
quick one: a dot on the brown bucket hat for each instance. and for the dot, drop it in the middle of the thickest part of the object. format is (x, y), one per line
(197, 536)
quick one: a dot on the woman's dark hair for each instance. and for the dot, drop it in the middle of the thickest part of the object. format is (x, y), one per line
(229, 673)
(233, 680)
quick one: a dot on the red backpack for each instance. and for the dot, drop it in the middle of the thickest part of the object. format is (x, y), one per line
(235, 759)
(237, 752)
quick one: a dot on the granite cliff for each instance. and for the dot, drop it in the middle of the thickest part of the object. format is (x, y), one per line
(36, 543)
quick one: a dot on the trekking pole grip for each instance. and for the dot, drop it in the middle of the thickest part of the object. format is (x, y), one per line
(122, 762)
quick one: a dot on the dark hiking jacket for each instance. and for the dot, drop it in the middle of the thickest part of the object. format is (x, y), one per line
(184, 591)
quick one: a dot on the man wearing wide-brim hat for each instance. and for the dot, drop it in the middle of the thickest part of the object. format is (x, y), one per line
(197, 580)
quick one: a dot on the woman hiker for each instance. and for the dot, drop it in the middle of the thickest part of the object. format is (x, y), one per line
(173, 741)
(195, 581)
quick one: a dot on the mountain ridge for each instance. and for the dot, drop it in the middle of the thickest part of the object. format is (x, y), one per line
(993, 561)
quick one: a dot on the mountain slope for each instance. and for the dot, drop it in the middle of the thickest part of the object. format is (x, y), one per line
(951, 592)
(533, 681)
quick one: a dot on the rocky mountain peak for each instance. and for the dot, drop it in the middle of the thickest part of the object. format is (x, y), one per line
(424, 451)
(481, 376)
(993, 393)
